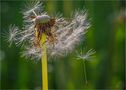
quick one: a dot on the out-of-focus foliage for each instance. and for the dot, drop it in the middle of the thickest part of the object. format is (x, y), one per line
(106, 36)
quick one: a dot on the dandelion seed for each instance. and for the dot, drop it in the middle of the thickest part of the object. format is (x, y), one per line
(85, 57)
(13, 32)
(32, 7)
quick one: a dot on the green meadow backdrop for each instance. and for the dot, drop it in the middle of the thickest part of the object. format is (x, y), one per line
(106, 35)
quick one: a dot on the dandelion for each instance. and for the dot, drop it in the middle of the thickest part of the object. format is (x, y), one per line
(62, 37)
(44, 35)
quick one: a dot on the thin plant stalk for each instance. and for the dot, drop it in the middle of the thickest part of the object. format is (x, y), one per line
(85, 74)
(44, 64)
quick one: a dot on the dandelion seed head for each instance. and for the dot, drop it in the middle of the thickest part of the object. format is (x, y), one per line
(68, 33)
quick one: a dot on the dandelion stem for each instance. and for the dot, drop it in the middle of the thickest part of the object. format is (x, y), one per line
(85, 74)
(44, 64)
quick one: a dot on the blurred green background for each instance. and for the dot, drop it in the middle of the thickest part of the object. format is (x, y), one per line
(106, 36)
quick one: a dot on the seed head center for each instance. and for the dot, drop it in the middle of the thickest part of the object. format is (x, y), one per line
(42, 19)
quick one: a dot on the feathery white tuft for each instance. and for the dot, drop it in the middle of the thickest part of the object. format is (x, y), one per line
(69, 33)
(88, 56)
